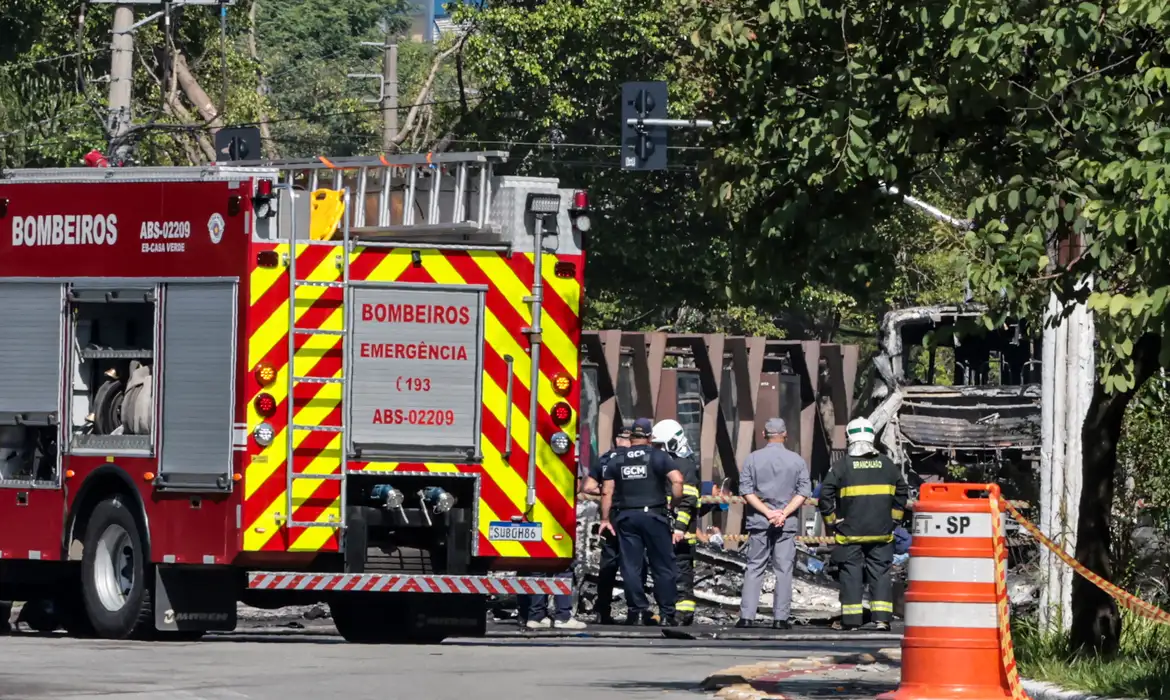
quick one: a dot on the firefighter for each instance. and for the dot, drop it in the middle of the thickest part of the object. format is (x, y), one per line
(863, 498)
(670, 437)
(610, 557)
(637, 477)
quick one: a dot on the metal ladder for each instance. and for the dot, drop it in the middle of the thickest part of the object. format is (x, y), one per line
(464, 208)
(294, 380)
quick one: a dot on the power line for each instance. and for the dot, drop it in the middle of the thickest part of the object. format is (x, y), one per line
(306, 116)
(51, 59)
(554, 146)
(42, 122)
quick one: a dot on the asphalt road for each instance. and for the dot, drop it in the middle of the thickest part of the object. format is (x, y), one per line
(252, 667)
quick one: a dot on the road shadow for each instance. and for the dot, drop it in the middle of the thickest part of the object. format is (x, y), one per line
(660, 686)
(813, 686)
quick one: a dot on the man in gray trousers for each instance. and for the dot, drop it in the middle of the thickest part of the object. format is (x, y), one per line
(774, 482)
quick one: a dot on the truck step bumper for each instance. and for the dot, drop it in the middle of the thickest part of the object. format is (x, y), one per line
(408, 583)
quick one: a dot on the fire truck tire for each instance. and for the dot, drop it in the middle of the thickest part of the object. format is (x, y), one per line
(114, 580)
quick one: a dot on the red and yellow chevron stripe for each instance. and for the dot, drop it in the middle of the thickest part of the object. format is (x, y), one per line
(503, 486)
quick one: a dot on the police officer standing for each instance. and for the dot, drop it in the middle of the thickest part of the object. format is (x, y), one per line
(638, 478)
(610, 557)
(672, 439)
(863, 498)
(774, 483)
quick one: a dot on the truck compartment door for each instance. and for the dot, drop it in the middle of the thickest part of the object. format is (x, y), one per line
(30, 351)
(198, 380)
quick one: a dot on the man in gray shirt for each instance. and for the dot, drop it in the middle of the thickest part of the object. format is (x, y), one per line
(774, 482)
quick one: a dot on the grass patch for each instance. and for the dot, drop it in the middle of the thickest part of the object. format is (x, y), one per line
(1140, 670)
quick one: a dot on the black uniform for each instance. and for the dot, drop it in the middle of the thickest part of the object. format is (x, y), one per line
(686, 520)
(864, 498)
(610, 552)
(640, 477)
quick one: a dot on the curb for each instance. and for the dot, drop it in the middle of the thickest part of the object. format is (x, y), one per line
(641, 633)
(1041, 690)
(735, 683)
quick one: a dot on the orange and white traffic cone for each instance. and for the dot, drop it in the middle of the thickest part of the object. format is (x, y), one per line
(957, 644)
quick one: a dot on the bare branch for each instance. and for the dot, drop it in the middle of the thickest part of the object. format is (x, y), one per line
(422, 99)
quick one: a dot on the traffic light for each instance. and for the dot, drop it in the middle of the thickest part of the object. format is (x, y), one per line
(237, 143)
(643, 146)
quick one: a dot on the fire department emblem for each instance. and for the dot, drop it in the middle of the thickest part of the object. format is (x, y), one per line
(215, 228)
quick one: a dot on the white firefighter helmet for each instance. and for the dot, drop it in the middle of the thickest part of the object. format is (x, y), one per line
(671, 436)
(860, 435)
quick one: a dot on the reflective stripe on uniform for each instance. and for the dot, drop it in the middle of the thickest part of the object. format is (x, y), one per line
(683, 517)
(897, 513)
(863, 539)
(685, 606)
(881, 606)
(852, 609)
(689, 490)
(868, 490)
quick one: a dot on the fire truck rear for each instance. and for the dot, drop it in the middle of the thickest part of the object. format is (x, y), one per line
(351, 381)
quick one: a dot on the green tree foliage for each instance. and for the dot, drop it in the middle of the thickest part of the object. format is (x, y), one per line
(286, 67)
(547, 88)
(307, 50)
(1057, 109)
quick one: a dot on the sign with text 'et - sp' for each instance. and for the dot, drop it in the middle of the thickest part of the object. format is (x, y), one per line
(415, 371)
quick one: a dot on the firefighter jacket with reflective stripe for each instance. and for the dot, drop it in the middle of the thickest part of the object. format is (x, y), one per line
(863, 498)
(640, 475)
(685, 512)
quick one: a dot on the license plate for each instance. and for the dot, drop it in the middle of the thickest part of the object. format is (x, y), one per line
(515, 532)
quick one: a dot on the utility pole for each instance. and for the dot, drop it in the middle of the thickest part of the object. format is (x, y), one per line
(122, 62)
(121, 80)
(390, 93)
(387, 97)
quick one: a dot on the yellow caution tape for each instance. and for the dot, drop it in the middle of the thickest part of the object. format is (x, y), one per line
(1126, 600)
(1003, 612)
(739, 499)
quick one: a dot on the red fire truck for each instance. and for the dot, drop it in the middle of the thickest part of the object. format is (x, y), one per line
(341, 380)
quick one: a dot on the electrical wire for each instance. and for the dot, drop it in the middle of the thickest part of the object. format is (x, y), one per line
(554, 146)
(51, 59)
(49, 120)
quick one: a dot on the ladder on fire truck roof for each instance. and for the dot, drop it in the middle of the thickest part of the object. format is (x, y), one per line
(449, 194)
(294, 380)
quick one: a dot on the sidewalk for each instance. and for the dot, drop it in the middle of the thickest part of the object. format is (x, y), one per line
(843, 677)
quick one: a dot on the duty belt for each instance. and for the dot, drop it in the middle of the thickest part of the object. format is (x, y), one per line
(646, 509)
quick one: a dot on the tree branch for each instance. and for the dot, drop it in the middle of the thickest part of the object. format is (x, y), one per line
(423, 92)
(195, 94)
(268, 145)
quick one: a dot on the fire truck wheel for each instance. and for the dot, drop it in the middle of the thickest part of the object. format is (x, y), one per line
(114, 573)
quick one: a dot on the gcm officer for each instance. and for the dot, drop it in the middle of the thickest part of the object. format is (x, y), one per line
(638, 475)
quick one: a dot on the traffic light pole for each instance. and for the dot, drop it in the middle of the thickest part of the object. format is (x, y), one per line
(675, 123)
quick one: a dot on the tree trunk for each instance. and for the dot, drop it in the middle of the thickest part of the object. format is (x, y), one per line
(195, 94)
(1096, 624)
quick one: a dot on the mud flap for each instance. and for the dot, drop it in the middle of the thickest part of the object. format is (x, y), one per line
(195, 598)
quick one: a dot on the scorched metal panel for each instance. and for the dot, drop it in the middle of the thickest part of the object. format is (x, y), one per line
(415, 373)
(197, 378)
(30, 347)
